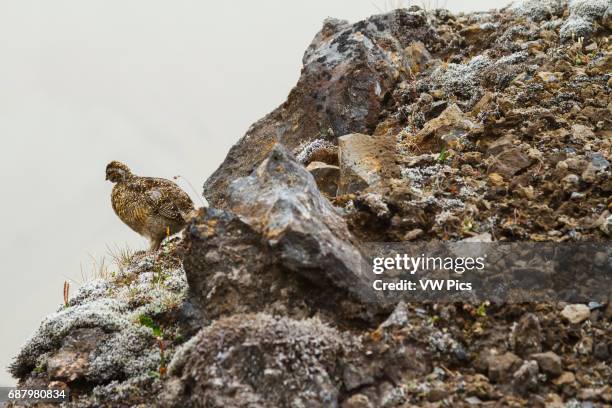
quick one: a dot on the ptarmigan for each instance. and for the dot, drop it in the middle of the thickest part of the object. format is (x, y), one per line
(153, 207)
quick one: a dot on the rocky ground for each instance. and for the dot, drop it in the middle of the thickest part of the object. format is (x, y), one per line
(408, 126)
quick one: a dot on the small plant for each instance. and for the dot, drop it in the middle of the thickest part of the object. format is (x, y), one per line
(40, 368)
(443, 155)
(121, 256)
(162, 358)
(482, 309)
(147, 321)
(66, 293)
(158, 333)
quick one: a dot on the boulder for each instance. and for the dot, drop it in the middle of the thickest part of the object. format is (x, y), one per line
(256, 360)
(279, 236)
(348, 70)
(365, 162)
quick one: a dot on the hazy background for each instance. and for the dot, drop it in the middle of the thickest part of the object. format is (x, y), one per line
(165, 86)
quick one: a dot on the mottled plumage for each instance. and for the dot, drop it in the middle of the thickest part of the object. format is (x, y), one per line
(153, 207)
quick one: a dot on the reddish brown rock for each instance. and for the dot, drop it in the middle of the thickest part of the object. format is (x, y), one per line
(365, 162)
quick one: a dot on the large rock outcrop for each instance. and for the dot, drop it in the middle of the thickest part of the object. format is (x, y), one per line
(278, 235)
(348, 72)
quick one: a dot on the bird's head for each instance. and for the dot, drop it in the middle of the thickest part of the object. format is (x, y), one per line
(117, 171)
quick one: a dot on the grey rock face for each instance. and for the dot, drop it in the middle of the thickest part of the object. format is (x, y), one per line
(279, 247)
(281, 201)
(348, 71)
(262, 361)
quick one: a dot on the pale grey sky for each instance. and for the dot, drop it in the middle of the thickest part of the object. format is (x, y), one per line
(165, 86)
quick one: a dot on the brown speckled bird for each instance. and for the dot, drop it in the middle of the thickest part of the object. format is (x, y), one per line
(153, 207)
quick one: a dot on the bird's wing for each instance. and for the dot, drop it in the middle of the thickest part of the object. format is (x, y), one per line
(165, 197)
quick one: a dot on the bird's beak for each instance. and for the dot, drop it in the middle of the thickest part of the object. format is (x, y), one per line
(106, 177)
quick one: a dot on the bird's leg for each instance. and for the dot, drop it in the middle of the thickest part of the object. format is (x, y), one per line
(155, 244)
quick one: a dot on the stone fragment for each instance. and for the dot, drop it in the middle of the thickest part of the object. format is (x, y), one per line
(418, 56)
(365, 162)
(357, 401)
(444, 131)
(356, 377)
(526, 335)
(576, 313)
(549, 362)
(413, 234)
(509, 162)
(71, 361)
(548, 77)
(496, 179)
(526, 377)
(501, 367)
(326, 176)
(567, 377)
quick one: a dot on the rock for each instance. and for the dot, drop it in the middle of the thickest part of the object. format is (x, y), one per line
(418, 56)
(496, 179)
(582, 132)
(444, 131)
(501, 367)
(365, 162)
(356, 377)
(357, 401)
(606, 225)
(348, 70)
(526, 336)
(599, 162)
(576, 313)
(548, 77)
(509, 162)
(526, 377)
(278, 232)
(326, 176)
(549, 362)
(241, 361)
(499, 145)
(397, 319)
(280, 201)
(71, 361)
(567, 377)
(585, 16)
(413, 234)
(484, 237)
(570, 183)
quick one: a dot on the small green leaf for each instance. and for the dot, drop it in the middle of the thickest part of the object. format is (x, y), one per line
(482, 309)
(443, 155)
(148, 322)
